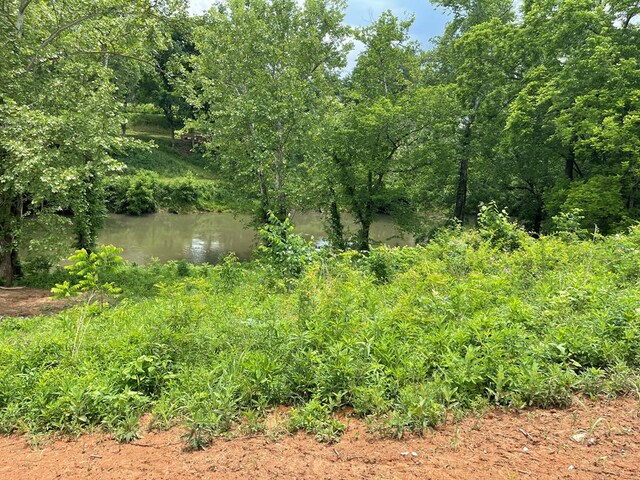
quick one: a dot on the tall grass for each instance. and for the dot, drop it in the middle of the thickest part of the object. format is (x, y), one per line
(400, 335)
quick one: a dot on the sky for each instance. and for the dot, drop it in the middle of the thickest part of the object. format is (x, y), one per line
(429, 20)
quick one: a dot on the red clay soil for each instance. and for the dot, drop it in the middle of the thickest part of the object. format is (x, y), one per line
(29, 302)
(533, 444)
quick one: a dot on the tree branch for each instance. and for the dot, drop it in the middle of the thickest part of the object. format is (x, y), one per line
(21, 11)
(58, 31)
(115, 54)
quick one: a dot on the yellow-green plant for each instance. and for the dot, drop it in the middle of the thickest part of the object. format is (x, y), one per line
(88, 271)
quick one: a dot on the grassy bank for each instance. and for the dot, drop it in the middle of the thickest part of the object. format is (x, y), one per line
(402, 336)
(170, 176)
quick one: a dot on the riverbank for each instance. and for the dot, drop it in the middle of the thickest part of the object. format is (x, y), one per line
(30, 302)
(167, 177)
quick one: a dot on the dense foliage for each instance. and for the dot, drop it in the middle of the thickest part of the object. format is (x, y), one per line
(400, 335)
(531, 108)
(58, 109)
(145, 192)
(533, 105)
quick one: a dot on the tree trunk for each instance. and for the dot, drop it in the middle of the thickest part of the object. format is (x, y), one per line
(461, 192)
(278, 168)
(7, 267)
(9, 264)
(336, 229)
(363, 234)
(173, 137)
(123, 125)
(21, 12)
(463, 173)
(264, 198)
(633, 190)
(539, 215)
(569, 164)
(90, 213)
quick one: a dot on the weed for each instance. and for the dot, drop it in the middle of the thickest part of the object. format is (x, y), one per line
(314, 417)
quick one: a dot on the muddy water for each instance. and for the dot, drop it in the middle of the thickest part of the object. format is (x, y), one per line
(208, 237)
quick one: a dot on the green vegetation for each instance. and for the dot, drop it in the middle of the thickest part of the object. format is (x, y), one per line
(533, 105)
(163, 176)
(165, 160)
(145, 192)
(401, 335)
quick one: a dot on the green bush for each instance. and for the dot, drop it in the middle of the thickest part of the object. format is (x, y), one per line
(314, 417)
(569, 224)
(600, 202)
(496, 227)
(285, 253)
(139, 197)
(134, 195)
(145, 192)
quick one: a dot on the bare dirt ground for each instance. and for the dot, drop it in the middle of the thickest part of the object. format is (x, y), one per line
(29, 302)
(588, 441)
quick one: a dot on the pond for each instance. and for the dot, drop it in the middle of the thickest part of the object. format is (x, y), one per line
(208, 237)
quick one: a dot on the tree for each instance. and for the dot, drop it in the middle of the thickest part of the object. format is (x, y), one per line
(162, 85)
(58, 117)
(374, 133)
(577, 114)
(471, 61)
(260, 82)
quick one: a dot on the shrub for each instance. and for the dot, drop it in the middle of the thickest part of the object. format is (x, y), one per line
(133, 195)
(496, 228)
(144, 193)
(314, 417)
(139, 197)
(600, 201)
(286, 254)
(568, 225)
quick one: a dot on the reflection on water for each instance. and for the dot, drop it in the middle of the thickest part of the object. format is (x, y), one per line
(208, 237)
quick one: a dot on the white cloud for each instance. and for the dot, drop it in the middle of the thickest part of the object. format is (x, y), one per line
(352, 58)
(197, 7)
(364, 12)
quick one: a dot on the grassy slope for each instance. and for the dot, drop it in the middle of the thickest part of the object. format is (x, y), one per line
(400, 336)
(165, 160)
(183, 181)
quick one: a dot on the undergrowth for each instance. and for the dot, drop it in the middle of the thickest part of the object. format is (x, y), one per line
(401, 335)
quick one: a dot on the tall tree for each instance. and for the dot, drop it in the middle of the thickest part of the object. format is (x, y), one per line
(578, 108)
(259, 84)
(373, 135)
(460, 53)
(58, 117)
(163, 84)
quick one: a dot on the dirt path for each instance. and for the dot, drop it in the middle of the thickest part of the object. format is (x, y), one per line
(28, 302)
(529, 445)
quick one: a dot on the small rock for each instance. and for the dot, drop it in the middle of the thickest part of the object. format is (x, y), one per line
(571, 467)
(592, 441)
(579, 437)
(404, 454)
(525, 450)
(414, 454)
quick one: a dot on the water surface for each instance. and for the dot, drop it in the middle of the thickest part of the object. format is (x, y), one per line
(208, 237)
